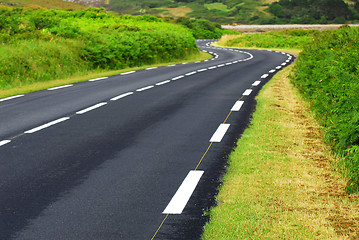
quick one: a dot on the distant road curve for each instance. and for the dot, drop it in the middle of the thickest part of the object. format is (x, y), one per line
(265, 28)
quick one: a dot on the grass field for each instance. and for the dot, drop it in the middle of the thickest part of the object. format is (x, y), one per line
(279, 184)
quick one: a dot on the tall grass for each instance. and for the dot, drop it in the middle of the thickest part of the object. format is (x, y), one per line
(327, 74)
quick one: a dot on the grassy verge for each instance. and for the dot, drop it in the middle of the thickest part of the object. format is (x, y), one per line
(54, 83)
(279, 184)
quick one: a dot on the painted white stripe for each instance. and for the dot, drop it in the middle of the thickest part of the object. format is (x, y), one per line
(121, 96)
(202, 70)
(185, 63)
(162, 83)
(91, 108)
(151, 68)
(237, 106)
(206, 60)
(98, 79)
(283, 64)
(126, 73)
(190, 73)
(212, 67)
(64, 86)
(144, 88)
(278, 67)
(220, 132)
(171, 65)
(220, 65)
(256, 83)
(229, 63)
(176, 78)
(2, 143)
(287, 61)
(264, 76)
(197, 62)
(272, 71)
(184, 193)
(9, 98)
(47, 125)
(247, 92)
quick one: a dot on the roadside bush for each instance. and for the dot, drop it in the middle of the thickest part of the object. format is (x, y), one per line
(327, 74)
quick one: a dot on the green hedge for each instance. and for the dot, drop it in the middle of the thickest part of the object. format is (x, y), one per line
(327, 74)
(40, 45)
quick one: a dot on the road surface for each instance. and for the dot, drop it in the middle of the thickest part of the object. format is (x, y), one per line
(133, 156)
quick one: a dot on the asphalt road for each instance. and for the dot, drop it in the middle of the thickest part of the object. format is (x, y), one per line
(133, 156)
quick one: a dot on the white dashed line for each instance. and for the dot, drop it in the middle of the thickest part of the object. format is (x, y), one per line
(9, 98)
(176, 78)
(151, 68)
(213, 67)
(190, 73)
(184, 193)
(162, 83)
(278, 67)
(283, 64)
(229, 63)
(47, 125)
(144, 88)
(171, 65)
(98, 79)
(237, 106)
(126, 73)
(91, 108)
(247, 92)
(220, 132)
(264, 76)
(2, 143)
(121, 96)
(256, 83)
(184, 63)
(272, 71)
(220, 65)
(202, 70)
(55, 88)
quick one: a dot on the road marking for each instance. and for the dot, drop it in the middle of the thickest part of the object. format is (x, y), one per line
(278, 67)
(272, 71)
(206, 60)
(229, 63)
(220, 65)
(184, 63)
(171, 65)
(184, 193)
(126, 73)
(283, 64)
(121, 96)
(47, 125)
(64, 86)
(213, 67)
(264, 75)
(247, 92)
(202, 70)
(144, 88)
(151, 68)
(91, 108)
(220, 132)
(9, 98)
(164, 82)
(237, 106)
(176, 78)
(235, 62)
(190, 73)
(98, 79)
(256, 83)
(287, 61)
(2, 143)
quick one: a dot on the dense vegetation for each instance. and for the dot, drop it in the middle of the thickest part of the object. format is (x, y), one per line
(39, 45)
(327, 73)
(246, 11)
(286, 39)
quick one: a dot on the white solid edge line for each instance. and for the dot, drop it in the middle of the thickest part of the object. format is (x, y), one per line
(47, 125)
(9, 98)
(91, 108)
(179, 77)
(256, 83)
(247, 92)
(121, 96)
(126, 73)
(144, 88)
(98, 79)
(2, 143)
(64, 86)
(184, 193)
(220, 132)
(164, 82)
(237, 106)
(264, 76)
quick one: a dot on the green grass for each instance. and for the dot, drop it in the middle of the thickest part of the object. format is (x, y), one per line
(278, 184)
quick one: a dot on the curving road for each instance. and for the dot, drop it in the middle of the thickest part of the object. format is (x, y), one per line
(133, 156)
